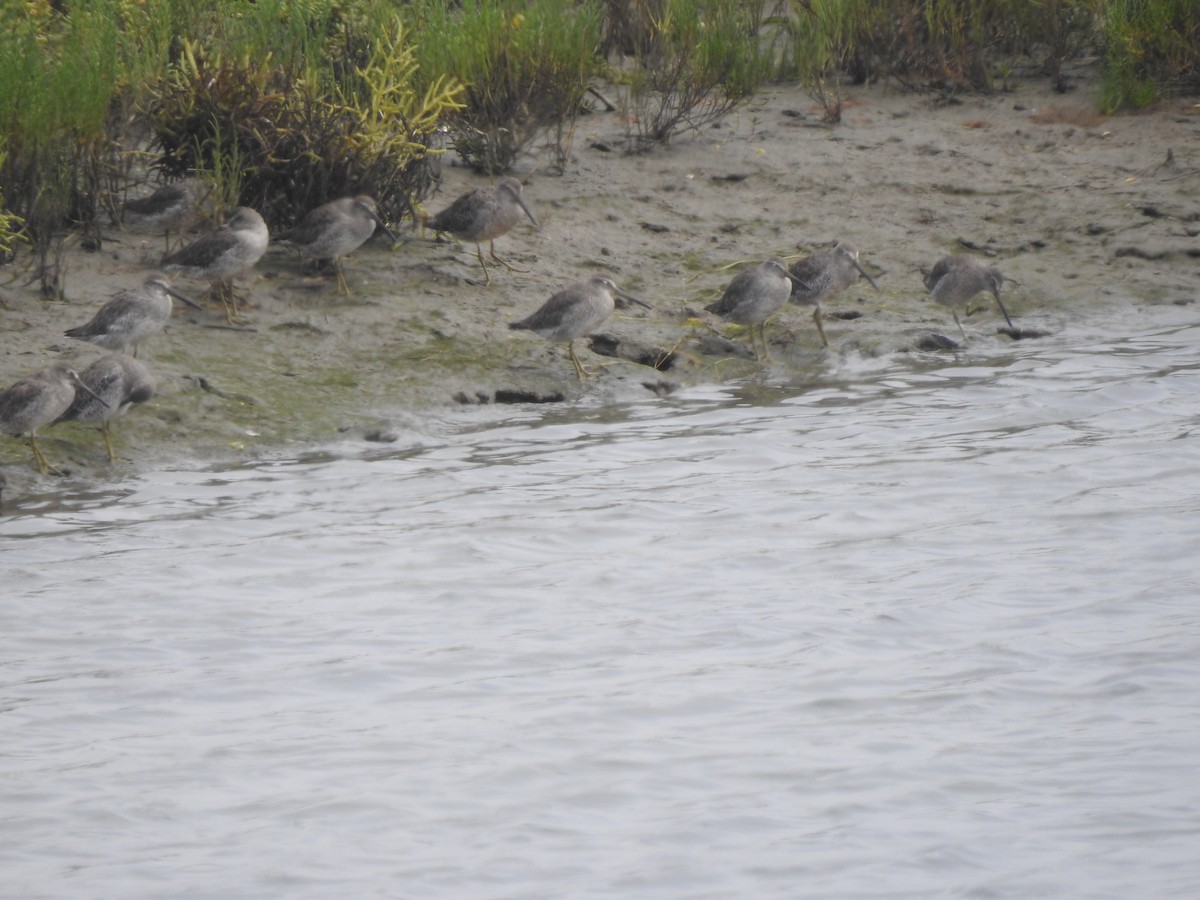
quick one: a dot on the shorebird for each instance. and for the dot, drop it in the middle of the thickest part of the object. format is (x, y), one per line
(36, 401)
(171, 207)
(823, 275)
(575, 311)
(753, 296)
(131, 316)
(221, 255)
(955, 280)
(114, 383)
(483, 215)
(334, 229)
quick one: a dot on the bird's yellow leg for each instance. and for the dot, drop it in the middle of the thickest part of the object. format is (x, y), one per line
(820, 327)
(112, 456)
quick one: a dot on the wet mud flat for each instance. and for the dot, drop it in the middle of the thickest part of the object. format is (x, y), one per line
(1087, 217)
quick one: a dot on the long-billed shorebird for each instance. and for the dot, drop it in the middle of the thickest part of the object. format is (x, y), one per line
(334, 229)
(823, 275)
(753, 296)
(114, 383)
(575, 311)
(172, 207)
(131, 316)
(39, 400)
(955, 280)
(221, 255)
(484, 214)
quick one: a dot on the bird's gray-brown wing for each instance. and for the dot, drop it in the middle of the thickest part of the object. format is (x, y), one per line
(201, 253)
(100, 376)
(734, 294)
(811, 274)
(18, 398)
(459, 217)
(312, 227)
(939, 271)
(164, 200)
(551, 314)
(109, 317)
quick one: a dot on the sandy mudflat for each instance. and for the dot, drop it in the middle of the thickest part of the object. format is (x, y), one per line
(1088, 215)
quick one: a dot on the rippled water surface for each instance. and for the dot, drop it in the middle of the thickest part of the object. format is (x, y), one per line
(919, 628)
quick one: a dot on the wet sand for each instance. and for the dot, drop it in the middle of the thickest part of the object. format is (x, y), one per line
(1088, 215)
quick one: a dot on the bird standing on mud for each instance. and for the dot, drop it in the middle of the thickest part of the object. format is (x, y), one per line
(955, 280)
(221, 255)
(575, 311)
(484, 214)
(754, 296)
(171, 207)
(39, 400)
(825, 274)
(334, 229)
(131, 316)
(114, 383)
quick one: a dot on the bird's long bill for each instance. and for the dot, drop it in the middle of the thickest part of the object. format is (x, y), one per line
(79, 384)
(864, 274)
(379, 221)
(178, 296)
(529, 212)
(996, 294)
(623, 300)
(794, 280)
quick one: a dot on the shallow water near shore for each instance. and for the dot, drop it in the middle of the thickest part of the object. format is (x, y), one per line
(917, 626)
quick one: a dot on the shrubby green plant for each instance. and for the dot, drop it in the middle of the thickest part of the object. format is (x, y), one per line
(942, 42)
(695, 62)
(56, 78)
(299, 136)
(525, 64)
(1152, 47)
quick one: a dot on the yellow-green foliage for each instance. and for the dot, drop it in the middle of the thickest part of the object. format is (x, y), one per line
(12, 226)
(301, 137)
(393, 97)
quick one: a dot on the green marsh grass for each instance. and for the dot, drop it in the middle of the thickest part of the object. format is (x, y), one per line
(695, 62)
(525, 65)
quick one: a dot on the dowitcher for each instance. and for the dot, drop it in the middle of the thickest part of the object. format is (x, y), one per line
(484, 214)
(38, 400)
(574, 312)
(825, 274)
(955, 280)
(221, 255)
(754, 296)
(131, 316)
(172, 207)
(114, 383)
(336, 228)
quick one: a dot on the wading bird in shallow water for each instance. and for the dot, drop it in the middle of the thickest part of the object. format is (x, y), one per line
(825, 274)
(131, 316)
(39, 400)
(221, 255)
(955, 280)
(334, 229)
(484, 214)
(114, 383)
(753, 296)
(576, 311)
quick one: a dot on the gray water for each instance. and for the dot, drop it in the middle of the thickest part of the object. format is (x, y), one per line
(919, 627)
